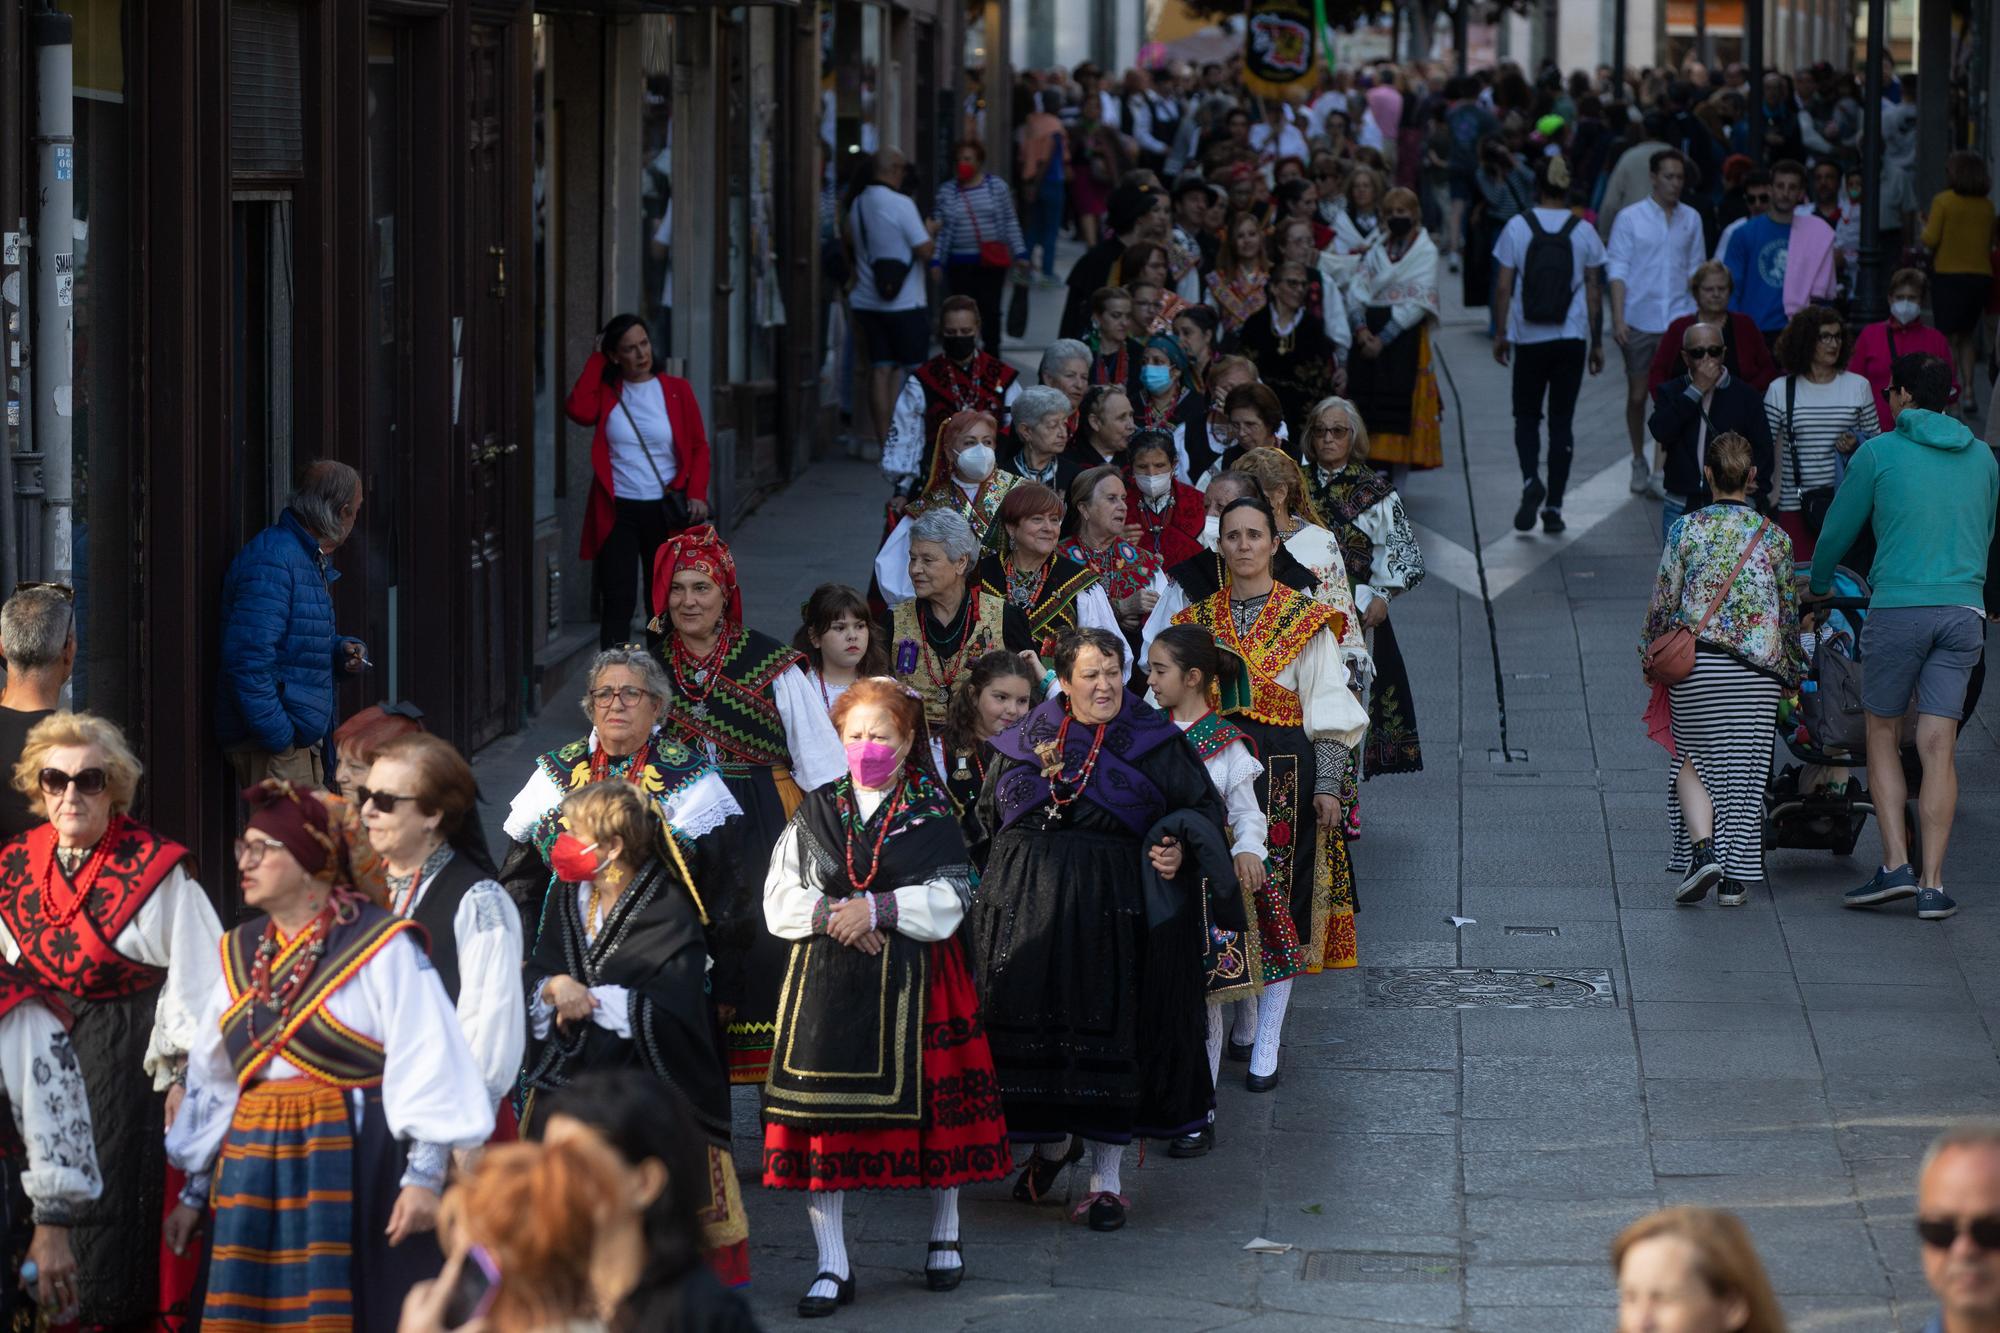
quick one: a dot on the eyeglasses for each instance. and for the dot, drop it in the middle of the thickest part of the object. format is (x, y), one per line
(250, 851)
(1698, 353)
(629, 695)
(1332, 432)
(1941, 1233)
(90, 782)
(1831, 335)
(385, 801)
(62, 590)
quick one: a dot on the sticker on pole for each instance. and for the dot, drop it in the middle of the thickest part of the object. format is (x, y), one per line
(65, 162)
(10, 248)
(65, 277)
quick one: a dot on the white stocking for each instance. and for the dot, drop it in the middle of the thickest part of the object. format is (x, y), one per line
(1270, 1023)
(1216, 1027)
(1245, 1026)
(824, 1207)
(944, 1226)
(1105, 1159)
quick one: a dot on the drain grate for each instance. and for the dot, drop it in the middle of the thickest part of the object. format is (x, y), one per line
(1487, 988)
(1546, 932)
(1366, 1266)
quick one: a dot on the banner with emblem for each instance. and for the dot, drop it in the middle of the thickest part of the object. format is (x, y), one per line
(1281, 47)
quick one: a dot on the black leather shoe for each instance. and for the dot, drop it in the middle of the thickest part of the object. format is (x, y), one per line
(945, 1279)
(1196, 1144)
(1106, 1213)
(1038, 1177)
(1263, 1082)
(1239, 1051)
(819, 1307)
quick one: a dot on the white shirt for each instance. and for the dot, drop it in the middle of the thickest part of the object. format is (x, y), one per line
(1287, 143)
(1654, 256)
(633, 477)
(487, 929)
(886, 225)
(694, 810)
(1585, 252)
(44, 1089)
(1234, 771)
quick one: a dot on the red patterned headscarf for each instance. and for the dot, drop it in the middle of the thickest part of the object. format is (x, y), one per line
(699, 548)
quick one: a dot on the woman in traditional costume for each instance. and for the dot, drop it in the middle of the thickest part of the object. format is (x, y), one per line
(1236, 287)
(993, 696)
(1293, 702)
(106, 915)
(1392, 304)
(1091, 988)
(1383, 562)
(882, 1078)
(952, 621)
(964, 480)
(1130, 577)
(1357, 221)
(414, 800)
(616, 982)
(1167, 401)
(326, 1092)
(744, 700)
(1167, 512)
(1290, 347)
(1054, 592)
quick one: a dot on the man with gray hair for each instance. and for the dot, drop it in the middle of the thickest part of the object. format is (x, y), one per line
(1041, 434)
(38, 641)
(1958, 1225)
(275, 698)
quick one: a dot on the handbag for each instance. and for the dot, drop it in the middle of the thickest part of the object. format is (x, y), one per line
(673, 504)
(1813, 503)
(992, 254)
(1669, 659)
(889, 274)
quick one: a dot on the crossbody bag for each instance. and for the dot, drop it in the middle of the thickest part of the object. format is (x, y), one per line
(1813, 503)
(889, 274)
(1669, 659)
(673, 504)
(992, 254)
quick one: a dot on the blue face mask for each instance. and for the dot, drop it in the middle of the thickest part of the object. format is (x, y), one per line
(1156, 378)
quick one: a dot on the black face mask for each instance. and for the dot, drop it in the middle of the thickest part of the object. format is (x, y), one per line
(960, 346)
(1399, 227)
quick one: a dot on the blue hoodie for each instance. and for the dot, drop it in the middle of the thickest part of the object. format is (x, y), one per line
(1931, 491)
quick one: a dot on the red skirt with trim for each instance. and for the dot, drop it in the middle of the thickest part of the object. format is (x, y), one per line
(963, 1137)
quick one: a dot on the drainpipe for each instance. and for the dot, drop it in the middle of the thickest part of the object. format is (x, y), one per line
(53, 260)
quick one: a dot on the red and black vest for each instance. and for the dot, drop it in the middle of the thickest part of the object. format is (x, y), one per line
(70, 947)
(950, 388)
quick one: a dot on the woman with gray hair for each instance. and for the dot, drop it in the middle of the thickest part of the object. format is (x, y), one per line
(935, 637)
(1042, 417)
(1066, 366)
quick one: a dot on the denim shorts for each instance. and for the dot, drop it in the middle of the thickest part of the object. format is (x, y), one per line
(1926, 651)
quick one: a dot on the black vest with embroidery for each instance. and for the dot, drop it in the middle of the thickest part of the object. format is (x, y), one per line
(437, 913)
(325, 1050)
(737, 718)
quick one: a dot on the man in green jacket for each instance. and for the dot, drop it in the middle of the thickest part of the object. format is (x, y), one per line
(1930, 490)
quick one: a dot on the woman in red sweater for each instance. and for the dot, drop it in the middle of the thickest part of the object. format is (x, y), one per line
(648, 462)
(1744, 352)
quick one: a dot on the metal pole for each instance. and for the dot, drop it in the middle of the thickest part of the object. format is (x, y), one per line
(1701, 31)
(1868, 294)
(53, 262)
(1618, 20)
(1753, 59)
(1460, 21)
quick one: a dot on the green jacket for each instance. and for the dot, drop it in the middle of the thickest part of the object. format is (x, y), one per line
(1930, 490)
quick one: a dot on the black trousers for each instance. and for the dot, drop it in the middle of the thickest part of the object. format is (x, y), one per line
(625, 568)
(985, 285)
(1553, 369)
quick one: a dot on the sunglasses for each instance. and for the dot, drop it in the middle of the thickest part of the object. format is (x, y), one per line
(385, 801)
(1941, 1233)
(90, 782)
(250, 851)
(1699, 353)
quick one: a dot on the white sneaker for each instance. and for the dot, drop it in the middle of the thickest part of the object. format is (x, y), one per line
(1642, 478)
(1656, 485)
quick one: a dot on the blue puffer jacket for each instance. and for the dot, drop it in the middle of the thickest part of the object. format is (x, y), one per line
(279, 648)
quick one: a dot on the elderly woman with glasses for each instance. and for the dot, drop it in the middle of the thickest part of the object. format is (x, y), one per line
(106, 914)
(1042, 418)
(936, 636)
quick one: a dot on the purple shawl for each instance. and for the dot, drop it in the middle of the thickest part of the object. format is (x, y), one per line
(1116, 785)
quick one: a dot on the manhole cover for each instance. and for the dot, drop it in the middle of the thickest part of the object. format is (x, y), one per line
(1487, 988)
(1362, 1266)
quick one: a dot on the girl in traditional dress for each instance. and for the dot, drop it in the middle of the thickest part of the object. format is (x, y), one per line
(745, 700)
(952, 621)
(1236, 287)
(964, 481)
(1293, 702)
(838, 638)
(1093, 1008)
(1392, 304)
(617, 982)
(1054, 592)
(106, 915)
(326, 1091)
(1130, 576)
(993, 697)
(882, 1078)
(1383, 562)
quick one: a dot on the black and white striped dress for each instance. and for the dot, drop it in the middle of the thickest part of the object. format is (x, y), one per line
(1820, 414)
(1725, 716)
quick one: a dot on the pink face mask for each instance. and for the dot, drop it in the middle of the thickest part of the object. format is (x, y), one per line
(873, 764)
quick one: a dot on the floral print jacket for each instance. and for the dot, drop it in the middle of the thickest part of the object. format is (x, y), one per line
(1758, 620)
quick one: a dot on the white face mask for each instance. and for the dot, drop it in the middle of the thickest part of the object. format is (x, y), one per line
(1211, 531)
(1155, 485)
(975, 463)
(1904, 312)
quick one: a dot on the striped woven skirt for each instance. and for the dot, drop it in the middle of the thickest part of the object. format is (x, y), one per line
(284, 1213)
(1725, 716)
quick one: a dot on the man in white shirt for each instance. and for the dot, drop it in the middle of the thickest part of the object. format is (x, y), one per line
(1276, 136)
(884, 224)
(1656, 245)
(1549, 320)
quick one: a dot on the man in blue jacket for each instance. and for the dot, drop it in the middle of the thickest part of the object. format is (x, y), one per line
(279, 647)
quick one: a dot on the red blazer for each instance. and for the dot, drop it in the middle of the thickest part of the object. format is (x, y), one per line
(1749, 359)
(1180, 538)
(592, 402)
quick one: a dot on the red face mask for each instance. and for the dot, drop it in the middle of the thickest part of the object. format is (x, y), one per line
(965, 170)
(572, 859)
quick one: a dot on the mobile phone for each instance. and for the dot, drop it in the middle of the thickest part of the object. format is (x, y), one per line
(472, 1294)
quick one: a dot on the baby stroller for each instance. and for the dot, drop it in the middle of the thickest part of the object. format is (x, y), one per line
(1818, 804)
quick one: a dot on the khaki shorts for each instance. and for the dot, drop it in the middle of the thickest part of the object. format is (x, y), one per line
(300, 765)
(1639, 348)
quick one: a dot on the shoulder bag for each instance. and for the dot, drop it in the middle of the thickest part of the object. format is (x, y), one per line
(992, 254)
(673, 504)
(1669, 659)
(889, 274)
(1813, 503)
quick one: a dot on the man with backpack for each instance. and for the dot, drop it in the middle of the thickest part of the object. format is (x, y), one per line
(1559, 265)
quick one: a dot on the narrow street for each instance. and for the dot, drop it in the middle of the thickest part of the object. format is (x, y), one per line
(1445, 1167)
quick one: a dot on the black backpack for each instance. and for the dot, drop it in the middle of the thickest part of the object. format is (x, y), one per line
(1548, 273)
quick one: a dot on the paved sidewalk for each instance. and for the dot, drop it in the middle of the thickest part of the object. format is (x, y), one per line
(1465, 1168)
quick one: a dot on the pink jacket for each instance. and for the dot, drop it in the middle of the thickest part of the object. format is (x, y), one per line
(1808, 262)
(1871, 359)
